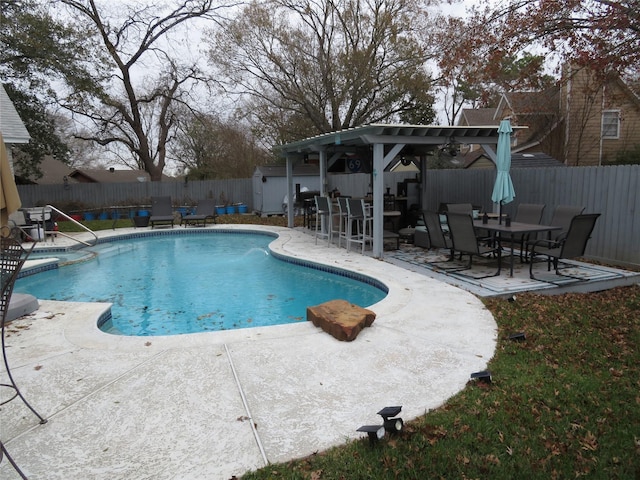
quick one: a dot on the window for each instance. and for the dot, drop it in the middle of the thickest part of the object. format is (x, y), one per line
(610, 124)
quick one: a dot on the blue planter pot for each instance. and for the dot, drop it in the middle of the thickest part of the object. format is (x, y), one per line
(243, 209)
(231, 209)
(143, 213)
(220, 210)
(103, 216)
(89, 216)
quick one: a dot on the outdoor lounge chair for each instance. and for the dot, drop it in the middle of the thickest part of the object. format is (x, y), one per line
(571, 245)
(205, 210)
(161, 211)
(465, 241)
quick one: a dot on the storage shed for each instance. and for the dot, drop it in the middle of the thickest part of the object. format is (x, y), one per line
(270, 186)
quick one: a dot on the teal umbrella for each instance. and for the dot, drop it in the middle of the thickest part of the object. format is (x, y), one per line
(503, 191)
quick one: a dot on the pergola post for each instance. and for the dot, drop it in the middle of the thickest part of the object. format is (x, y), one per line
(378, 199)
(290, 192)
(323, 172)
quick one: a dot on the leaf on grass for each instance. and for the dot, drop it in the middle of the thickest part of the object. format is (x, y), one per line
(317, 475)
(589, 442)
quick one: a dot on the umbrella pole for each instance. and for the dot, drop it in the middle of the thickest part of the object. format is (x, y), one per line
(500, 214)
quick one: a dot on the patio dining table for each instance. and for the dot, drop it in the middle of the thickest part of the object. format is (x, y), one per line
(503, 231)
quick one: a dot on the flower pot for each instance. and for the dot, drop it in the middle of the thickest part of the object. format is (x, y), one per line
(89, 216)
(243, 208)
(220, 210)
(103, 216)
(231, 209)
(143, 213)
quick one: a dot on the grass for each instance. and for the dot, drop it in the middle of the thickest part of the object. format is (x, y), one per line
(564, 403)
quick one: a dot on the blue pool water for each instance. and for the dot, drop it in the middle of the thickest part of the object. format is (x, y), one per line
(174, 284)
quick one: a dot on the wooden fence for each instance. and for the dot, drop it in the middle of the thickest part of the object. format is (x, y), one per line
(613, 191)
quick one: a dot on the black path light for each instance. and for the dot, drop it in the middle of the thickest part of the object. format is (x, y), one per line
(375, 432)
(483, 376)
(391, 425)
(518, 337)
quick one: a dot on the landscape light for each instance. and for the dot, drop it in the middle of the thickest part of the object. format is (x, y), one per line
(518, 337)
(392, 425)
(484, 376)
(375, 432)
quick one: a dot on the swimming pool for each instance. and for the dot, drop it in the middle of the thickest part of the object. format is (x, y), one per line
(196, 282)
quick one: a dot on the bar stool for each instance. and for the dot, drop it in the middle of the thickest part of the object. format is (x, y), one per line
(358, 214)
(343, 214)
(323, 219)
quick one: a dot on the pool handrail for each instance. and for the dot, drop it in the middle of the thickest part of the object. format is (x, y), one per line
(60, 212)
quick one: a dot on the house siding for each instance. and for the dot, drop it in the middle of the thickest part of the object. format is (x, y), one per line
(584, 98)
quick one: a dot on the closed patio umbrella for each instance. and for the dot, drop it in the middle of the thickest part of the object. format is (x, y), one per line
(503, 191)
(9, 198)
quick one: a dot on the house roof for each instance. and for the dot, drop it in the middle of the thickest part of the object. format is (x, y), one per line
(53, 172)
(281, 170)
(518, 160)
(11, 125)
(478, 116)
(109, 176)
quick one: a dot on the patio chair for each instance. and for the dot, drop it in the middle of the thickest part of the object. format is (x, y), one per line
(562, 216)
(358, 215)
(437, 238)
(323, 219)
(161, 211)
(460, 208)
(12, 257)
(527, 213)
(572, 245)
(465, 241)
(205, 210)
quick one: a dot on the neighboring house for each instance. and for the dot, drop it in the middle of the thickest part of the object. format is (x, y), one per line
(85, 175)
(55, 172)
(584, 121)
(479, 159)
(13, 130)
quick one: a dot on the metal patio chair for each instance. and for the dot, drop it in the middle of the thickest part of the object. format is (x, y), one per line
(465, 241)
(12, 257)
(562, 216)
(527, 213)
(572, 245)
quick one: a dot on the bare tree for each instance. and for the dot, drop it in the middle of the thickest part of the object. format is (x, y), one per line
(312, 66)
(210, 148)
(126, 109)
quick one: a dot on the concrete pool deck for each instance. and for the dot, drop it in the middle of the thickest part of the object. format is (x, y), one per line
(215, 405)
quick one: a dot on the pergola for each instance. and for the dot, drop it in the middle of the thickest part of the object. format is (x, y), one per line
(383, 143)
